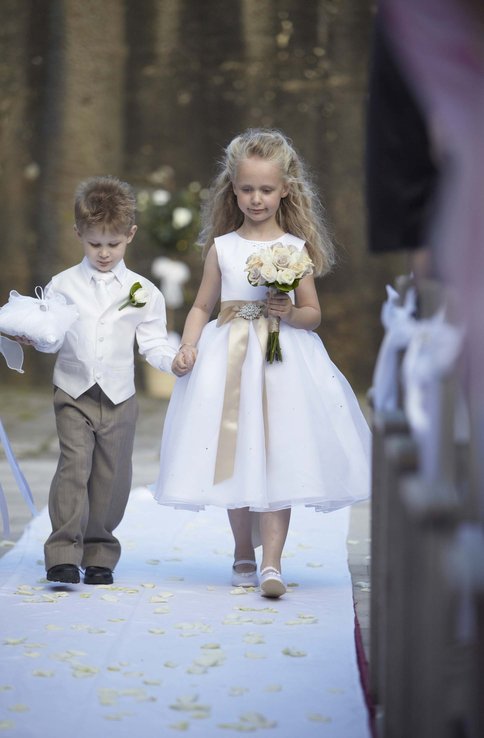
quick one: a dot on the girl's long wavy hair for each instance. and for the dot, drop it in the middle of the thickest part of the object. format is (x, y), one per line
(300, 212)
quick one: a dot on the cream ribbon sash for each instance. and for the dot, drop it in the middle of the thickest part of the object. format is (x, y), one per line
(234, 311)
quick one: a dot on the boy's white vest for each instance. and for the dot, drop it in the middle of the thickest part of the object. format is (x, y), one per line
(99, 348)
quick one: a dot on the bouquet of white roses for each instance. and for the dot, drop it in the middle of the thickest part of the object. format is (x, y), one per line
(280, 268)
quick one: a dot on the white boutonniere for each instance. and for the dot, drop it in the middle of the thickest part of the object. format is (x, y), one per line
(138, 296)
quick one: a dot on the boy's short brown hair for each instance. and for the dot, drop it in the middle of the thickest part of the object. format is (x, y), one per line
(105, 201)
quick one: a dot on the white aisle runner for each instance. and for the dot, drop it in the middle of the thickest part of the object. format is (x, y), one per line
(170, 647)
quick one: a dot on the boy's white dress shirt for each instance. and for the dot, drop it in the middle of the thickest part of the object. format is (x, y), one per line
(99, 347)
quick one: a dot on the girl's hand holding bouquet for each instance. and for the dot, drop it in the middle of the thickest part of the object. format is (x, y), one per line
(280, 268)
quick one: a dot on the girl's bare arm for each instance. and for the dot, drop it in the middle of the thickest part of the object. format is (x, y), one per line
(305, 313)
(199, 314)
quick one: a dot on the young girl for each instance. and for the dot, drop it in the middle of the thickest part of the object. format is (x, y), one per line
(242, 433)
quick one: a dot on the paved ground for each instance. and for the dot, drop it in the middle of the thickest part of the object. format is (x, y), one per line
(28, 418)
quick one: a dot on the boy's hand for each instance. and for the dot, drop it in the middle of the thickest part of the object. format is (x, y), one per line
(184, 360)
(23, 339)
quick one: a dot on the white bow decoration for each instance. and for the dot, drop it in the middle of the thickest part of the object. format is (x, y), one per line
(431, 354)
(399, 325)
(431, 348)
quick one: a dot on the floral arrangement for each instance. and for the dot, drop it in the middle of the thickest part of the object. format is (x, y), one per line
(170, 216)
(280, 268)
(138, 296)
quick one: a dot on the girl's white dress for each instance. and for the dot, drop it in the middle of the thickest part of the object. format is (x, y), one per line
(312, 444)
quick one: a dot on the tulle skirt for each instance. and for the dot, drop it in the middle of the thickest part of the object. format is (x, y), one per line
(306, 443)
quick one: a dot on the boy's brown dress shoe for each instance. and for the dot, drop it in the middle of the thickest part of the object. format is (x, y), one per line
(67, 573)
(98, 575)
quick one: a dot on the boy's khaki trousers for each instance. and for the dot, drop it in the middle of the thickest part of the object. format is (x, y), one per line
(90, 489)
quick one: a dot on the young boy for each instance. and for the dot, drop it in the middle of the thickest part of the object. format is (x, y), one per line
(94, 400)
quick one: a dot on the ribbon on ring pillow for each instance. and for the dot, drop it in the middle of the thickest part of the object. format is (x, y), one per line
(4, 513)
(14, 356)
(19, 478)
(240, 314)
(399, 325)
(13, 353)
